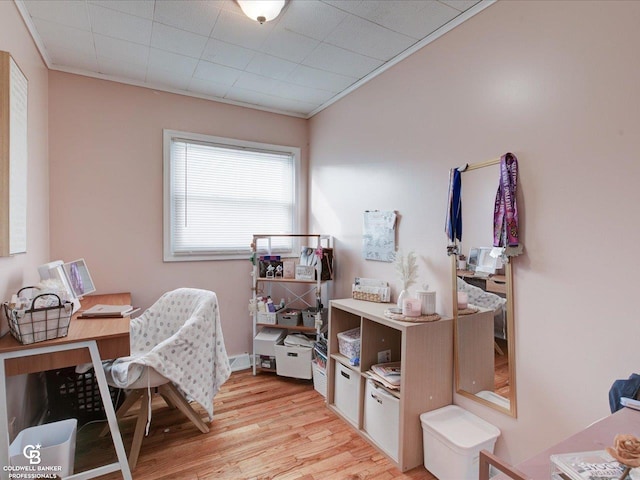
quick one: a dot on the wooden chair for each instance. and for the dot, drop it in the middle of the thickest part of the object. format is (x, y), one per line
(488, 459)
(152, 382)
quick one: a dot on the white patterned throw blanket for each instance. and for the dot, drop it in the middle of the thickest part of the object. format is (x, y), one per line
(180, 337)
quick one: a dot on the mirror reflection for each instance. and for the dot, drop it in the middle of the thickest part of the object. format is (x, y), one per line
(483, 312)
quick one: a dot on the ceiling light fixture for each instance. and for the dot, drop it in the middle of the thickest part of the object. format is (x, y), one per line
(261, 10)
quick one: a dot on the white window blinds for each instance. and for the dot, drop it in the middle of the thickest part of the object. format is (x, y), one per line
(221, 194)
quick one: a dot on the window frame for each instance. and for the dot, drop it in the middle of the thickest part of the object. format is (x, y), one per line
(168, 135)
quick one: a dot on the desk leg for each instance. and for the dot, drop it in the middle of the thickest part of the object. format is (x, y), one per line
(122, 464)
(4, 423)
(109, 410)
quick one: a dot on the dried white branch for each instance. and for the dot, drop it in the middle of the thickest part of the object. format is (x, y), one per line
(406, 268)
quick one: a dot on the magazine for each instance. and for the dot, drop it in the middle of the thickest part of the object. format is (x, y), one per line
(597, 465)
(387, 374)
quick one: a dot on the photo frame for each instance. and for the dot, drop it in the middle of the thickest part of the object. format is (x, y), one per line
(305, 272)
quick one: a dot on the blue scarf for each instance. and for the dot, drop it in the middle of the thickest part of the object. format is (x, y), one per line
(453, 226)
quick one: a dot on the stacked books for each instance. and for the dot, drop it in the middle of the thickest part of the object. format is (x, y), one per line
(386, 374)
(108, 311)
(597, 465)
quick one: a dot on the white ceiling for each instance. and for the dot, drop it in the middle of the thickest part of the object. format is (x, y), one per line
(312, 54)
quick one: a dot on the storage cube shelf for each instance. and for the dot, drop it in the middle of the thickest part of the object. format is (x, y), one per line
(425, 351)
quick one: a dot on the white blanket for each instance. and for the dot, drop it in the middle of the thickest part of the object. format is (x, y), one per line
(180, 337)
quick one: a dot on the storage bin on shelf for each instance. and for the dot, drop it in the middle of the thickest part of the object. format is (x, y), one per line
(289, 317)
(268, 362)
(265, 341)
(46, 317)
(309, 317)
(268, 318)
(349, 343)
(319, 379)
(293, 361)
(382, 418)
(319, 366)
(346, 395)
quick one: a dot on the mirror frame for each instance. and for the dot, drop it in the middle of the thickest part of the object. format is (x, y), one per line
(511, 354)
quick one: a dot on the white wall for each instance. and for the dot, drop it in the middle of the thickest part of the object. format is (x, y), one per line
(557, 84)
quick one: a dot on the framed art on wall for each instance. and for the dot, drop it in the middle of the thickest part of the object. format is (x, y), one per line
(13, 157)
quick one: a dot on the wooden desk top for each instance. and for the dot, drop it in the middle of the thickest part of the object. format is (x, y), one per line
(597, 436)
(111, 334)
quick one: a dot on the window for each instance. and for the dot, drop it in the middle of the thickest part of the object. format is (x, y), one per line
(218, 192)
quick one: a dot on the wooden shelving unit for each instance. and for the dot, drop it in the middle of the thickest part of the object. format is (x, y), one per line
(426, 353)
(314, 286)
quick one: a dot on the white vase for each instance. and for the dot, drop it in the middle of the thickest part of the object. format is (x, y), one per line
(403, 294)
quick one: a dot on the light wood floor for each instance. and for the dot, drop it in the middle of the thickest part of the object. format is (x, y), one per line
(264, 427)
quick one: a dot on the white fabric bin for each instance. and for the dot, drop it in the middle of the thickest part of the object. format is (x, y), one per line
(293, 361)
(346, 395)
(56, 451)
(382, 418)
(266, 339)
(320, 379)
(452, 440)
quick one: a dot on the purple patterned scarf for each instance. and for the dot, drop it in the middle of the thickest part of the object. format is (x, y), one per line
(505, 215)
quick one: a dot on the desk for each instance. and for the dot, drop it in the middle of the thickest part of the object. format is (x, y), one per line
(489, 283)
(87, 341)
(111, 335)
(595, 437)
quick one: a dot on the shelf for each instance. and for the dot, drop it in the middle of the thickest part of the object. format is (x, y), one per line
(263, 369)
(297, 292)
(289, 280)
(299, 328)
(345, 361)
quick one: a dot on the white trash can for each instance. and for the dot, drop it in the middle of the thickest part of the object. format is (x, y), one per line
(452, 440)
(48, 448)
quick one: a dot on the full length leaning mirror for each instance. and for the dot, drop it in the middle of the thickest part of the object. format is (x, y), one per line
(483, 299)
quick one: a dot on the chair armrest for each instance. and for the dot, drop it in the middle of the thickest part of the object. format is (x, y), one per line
(487, 459)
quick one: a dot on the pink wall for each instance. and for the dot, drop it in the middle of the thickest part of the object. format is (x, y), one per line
(554, 82)
(557, 84)
(20, 270)
(106, 188)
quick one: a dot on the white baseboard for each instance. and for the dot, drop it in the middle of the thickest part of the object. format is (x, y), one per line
(240, 362)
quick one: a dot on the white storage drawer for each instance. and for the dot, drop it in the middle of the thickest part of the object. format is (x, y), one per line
(382, 418)
(346, 395)
(293, 361)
